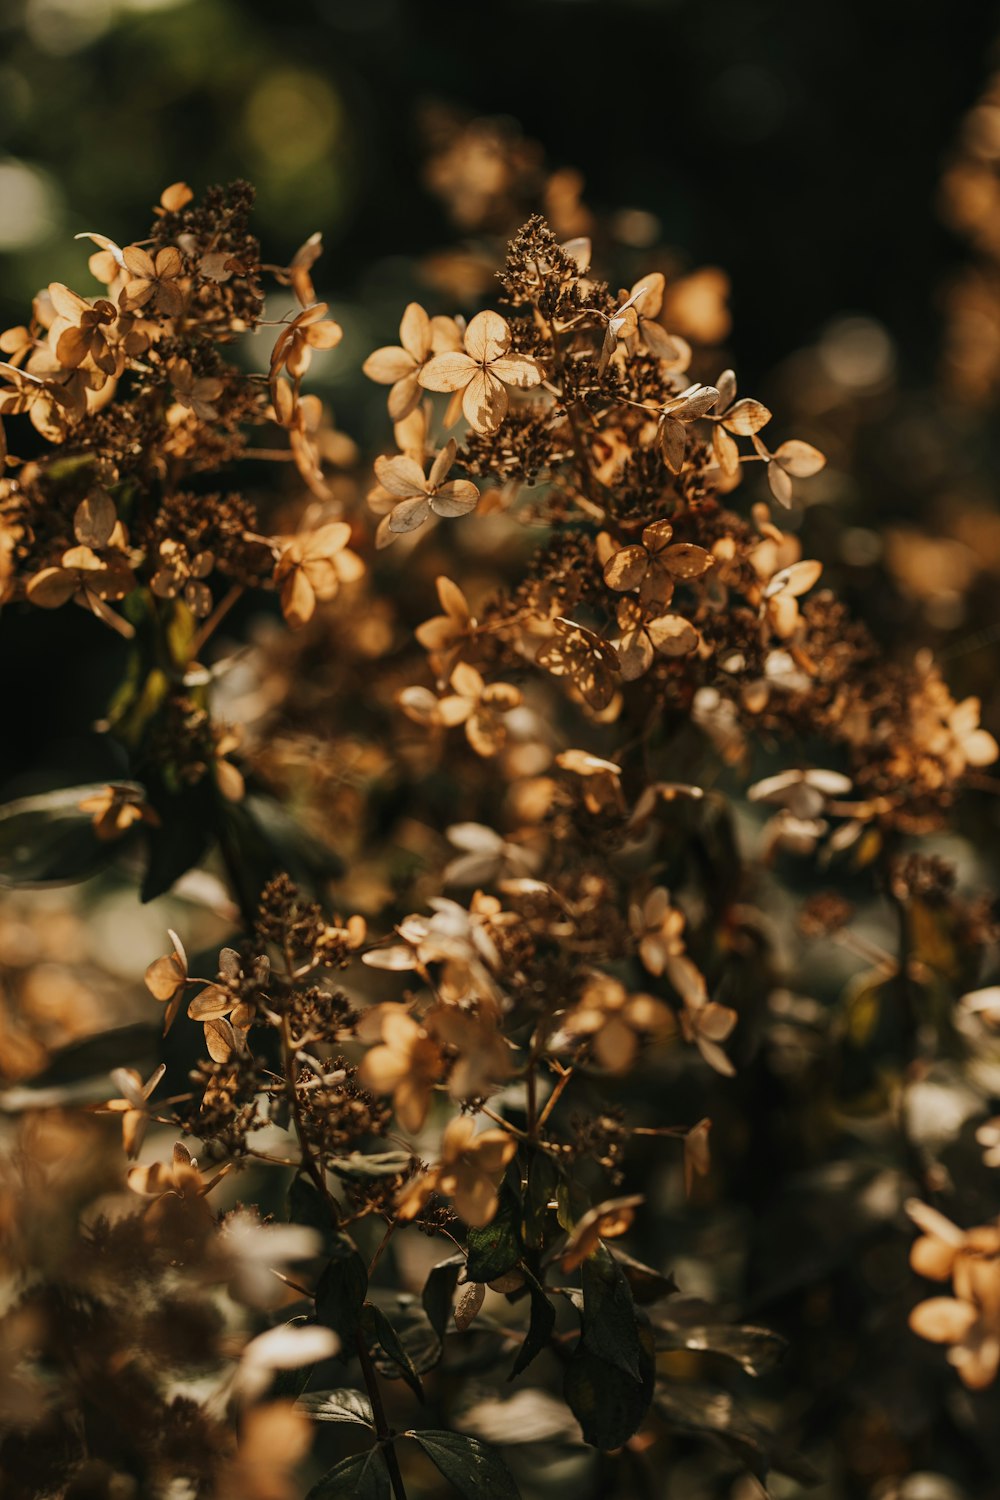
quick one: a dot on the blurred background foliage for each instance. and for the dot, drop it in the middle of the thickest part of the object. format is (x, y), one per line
(800, 148)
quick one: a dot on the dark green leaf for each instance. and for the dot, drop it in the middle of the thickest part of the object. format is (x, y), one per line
(543, 1320)
(690, 1324)
(338, 1406)
(476, 1471)
(407, 1315)
(708, 1412)
(647, 1284)
(187, 825)
(608, 1404)
(439, 1292)
(341, 1291)
(497, 1249)
(543, 1183)
(363, 1477)
(610, 1330)
(307, 1206)
(378, 1330)
(48, 839)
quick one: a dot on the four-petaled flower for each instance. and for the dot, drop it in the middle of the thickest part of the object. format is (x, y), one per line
(399, 366)
(293, 349)
(483, 370)
(411, 497)
(198, 393)
(153, 280)
(468, 1173)
(116, 809)
(615, 1021)
(407, 1062)
(133, 1106)
(311, 569)
(167, 979)
(655, 565)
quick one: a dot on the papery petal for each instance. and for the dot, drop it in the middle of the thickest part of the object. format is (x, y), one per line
(487, 337)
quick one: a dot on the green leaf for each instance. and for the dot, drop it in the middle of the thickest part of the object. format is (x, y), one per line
(610, 1330)
(186, 828)
(608, 1404)
(408, 1317)
(543, 1320)
(341, 1291)
(307, 1206)
(338, 1406)
(439, 1292)
(690, 1324)
(543, 1183)
(648, 1285)
(476, 1471)
(363, 1477)
(712, 1413)
(378, 1330)
(47, 838)
(498, 1248)
(378, 1164)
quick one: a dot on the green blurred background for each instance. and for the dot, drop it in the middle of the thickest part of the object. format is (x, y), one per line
(799, 145)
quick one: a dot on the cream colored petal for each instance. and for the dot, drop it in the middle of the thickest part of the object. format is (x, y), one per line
(402, 477)
(447, 372)
(615, 1045)
(517, 369)
(388, 364)
(455, 498)
(404, 397)
(442, 464)
(409, 515)
(487, 337)
(942, 1320)
(484, 403)
(415, 332)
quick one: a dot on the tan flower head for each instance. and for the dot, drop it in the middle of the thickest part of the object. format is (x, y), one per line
(968, 1321)
(444, 636)
(153, 281)
(89, 580)
(116, 810)
(223, 1012)
(311, 569)
(195, 393)
(483, 371)
(656, 565)
(468, 1173)
(167, 978)
(78, 332)
(790, 460)
(413, 498)
(481, 707)
(181, 574)
(407, 1063)
(614, 1021)
(676, 415)
(734, 418)
(605, 1221)
(420, 338)
(133, 1106)
(642, 638)
(600, 780)
(309, 330)
(780, 606)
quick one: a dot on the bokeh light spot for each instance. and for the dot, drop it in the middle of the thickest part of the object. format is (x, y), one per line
(30, 206)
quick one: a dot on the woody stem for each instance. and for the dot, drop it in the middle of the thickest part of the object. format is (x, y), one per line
(312, 1166)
